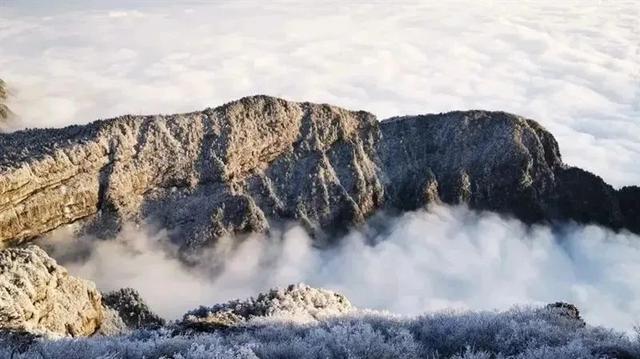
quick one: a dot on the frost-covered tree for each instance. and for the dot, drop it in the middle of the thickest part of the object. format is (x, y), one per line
(517, 333)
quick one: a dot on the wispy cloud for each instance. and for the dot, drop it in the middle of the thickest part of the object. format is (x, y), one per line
(448, 257)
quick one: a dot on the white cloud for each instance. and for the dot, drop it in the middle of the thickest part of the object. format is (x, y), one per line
(572, 66)
(449, 257)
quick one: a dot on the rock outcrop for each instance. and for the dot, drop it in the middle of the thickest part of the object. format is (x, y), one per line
(38, 296)
(566, 311)
(132, 309)
(253, 163)
(299, 303)
(499, 162)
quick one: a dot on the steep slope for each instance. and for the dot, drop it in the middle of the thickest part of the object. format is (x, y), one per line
(203, 174)
(499, 162)
(259, 161)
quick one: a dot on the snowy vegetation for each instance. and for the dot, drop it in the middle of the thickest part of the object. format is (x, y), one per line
(517, 333)
(297, 303)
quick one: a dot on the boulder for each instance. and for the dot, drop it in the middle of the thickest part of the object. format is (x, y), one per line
(566, 311)
(38, 296)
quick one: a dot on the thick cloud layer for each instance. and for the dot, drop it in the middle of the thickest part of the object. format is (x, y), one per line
(447, 257)
(572, 66)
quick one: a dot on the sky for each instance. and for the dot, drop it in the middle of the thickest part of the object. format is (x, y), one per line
(573, 66)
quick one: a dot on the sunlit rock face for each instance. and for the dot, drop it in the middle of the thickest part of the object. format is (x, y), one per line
(206, 174)
(38, 296)
(259, 162)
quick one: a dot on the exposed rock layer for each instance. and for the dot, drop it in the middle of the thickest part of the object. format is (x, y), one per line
(255, 162)
(39, 296)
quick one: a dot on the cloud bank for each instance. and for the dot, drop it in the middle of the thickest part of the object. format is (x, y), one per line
(572, 66)
(443, 258)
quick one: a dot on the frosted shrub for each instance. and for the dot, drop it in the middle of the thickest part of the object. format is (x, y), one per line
(521, 333)
(297, 303)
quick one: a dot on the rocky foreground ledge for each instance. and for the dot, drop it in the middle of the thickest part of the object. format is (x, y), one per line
(256, 162)
(40, 302)
(39, 298)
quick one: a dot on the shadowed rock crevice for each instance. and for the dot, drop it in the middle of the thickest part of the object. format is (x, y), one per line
(259, 161)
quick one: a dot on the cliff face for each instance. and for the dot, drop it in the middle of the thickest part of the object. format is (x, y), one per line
(491, 160)
(499, 162)
(203, 174)
(258, 161)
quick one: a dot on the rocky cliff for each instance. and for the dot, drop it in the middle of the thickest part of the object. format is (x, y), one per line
(259, 161)
(499, 162)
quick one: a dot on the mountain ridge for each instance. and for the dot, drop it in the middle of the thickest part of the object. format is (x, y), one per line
(244, 166)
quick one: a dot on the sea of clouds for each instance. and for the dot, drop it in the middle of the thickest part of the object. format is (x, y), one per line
(573, 66)
(438, 259)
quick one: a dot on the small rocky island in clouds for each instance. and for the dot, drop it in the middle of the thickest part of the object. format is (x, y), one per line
(254, 165)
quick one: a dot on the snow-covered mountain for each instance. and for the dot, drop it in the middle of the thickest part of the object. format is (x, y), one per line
(251, 164)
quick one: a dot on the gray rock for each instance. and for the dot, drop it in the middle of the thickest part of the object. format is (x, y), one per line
(133, 310)
(260, 161)
(566, 311)
(299, 303)
(38, 296)
(499, 162)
